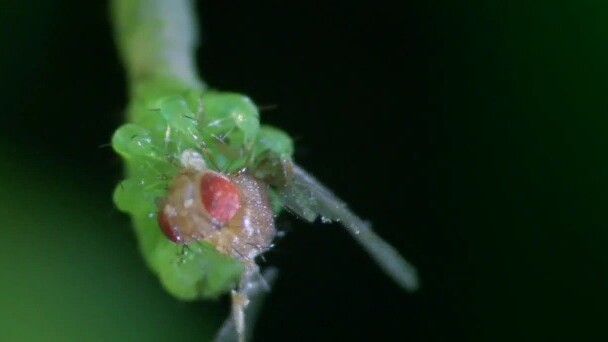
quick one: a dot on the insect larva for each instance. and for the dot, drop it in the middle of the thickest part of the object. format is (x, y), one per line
(201, 175)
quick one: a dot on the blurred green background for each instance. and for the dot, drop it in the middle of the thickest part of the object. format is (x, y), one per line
(473, 135)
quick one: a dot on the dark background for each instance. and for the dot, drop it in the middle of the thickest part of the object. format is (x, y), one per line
(472, 134)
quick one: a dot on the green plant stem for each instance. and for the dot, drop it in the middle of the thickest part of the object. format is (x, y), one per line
(157, 40)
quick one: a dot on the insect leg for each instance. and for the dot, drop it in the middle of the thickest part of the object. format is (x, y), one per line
(255, 292)
(239, 303)
(309, 199)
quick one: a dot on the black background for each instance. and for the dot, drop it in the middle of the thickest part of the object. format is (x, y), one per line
(472, 135)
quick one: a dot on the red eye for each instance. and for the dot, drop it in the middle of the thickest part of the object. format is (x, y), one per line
(221, 198)
(166, 228)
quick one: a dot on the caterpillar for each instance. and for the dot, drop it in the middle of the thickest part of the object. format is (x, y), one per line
(204, 182)
(204, 178)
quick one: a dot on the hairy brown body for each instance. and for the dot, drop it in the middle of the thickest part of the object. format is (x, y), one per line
(248, 233)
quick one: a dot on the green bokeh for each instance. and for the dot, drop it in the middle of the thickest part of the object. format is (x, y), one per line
(71, 269)
(522, 127)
